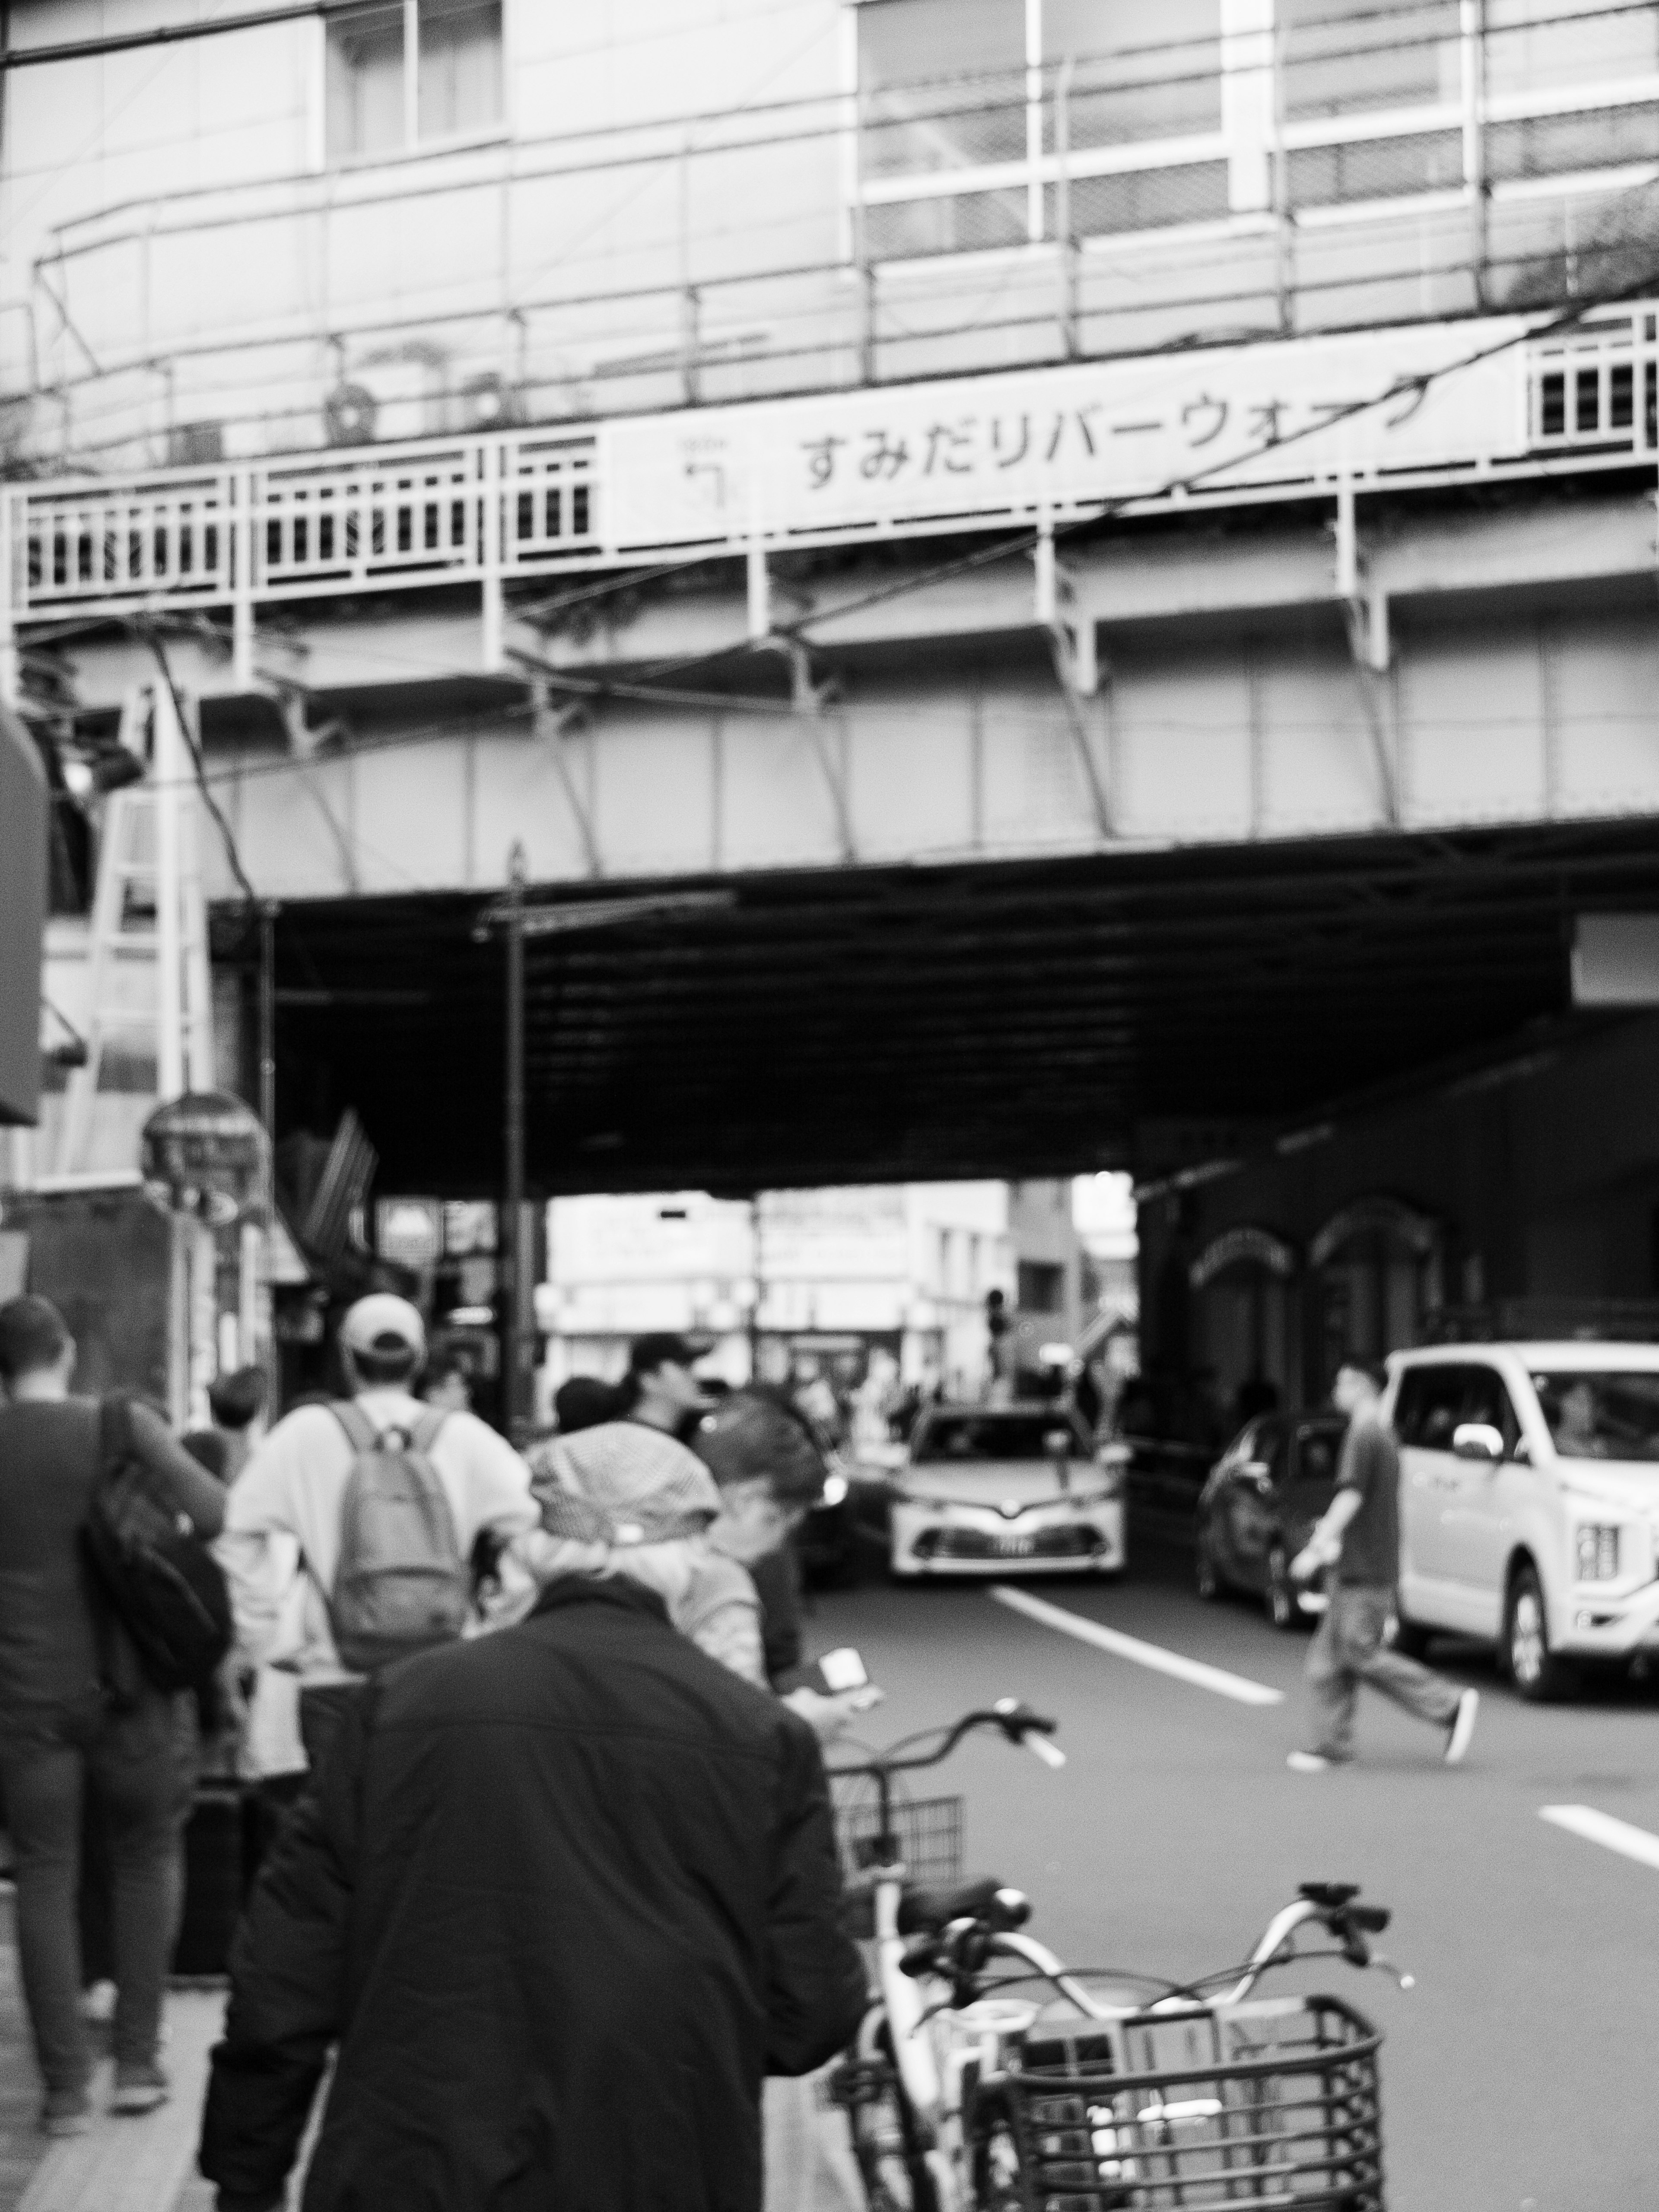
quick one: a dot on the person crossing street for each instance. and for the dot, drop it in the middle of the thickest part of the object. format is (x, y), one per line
(1358, 1541)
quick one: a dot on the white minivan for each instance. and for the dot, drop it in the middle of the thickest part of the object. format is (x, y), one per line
(1529, 1502)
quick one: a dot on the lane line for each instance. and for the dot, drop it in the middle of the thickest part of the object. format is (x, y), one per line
(1602, 1828)
(1239, 1687)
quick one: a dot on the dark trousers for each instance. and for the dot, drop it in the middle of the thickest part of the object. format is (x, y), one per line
(139, 1768)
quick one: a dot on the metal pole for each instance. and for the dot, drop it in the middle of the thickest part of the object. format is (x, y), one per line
(166, 768)
(1065, 243)
(273, 1362)
(514, 1258)
(268, 913)
(760, 1287)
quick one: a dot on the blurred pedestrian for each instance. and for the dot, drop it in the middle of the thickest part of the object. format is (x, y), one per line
(287, 1533)
(1358, 1541)
(557, 1954)
(583, 1402)
(447, 1384)
(78, 1718)
(660, 1389)
(235, 1402)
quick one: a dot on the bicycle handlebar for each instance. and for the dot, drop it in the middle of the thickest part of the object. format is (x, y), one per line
(1016, 1720)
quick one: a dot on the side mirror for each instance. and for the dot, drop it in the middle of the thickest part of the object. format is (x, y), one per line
(1476, 1440)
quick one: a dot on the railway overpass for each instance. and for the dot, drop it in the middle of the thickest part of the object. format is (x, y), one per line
(1063, 755)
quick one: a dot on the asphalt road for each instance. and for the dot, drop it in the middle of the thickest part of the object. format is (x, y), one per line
(1520, 2075)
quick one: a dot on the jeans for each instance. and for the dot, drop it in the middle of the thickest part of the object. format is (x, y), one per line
(140, 1768)
(1348, 1651)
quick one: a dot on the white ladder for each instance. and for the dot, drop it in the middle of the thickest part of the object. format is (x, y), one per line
(150, 837)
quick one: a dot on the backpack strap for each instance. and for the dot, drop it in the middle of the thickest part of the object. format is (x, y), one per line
(118, 1667)
(361, 1432)
(114, 1433)
(424, 1434)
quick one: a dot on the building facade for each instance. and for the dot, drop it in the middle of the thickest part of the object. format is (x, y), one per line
(1518, 1198)
(850, 435)
(813, 1281)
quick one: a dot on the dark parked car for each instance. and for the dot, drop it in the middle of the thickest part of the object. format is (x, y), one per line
(1263, 1496)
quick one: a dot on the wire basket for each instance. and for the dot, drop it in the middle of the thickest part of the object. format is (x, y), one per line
(1269, 2103)
(928, 1831)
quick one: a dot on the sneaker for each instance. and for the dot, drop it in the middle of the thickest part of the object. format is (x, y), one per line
(138, 2089)
(1309, 1762)
(1460, 1727)
(65, 2113)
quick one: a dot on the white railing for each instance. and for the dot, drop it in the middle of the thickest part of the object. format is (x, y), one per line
(492, 508)
(424, 513)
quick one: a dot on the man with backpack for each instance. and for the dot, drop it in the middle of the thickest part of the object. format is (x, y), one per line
(80, 1710)
(348, 1539)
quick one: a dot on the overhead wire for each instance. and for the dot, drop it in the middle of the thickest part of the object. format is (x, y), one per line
(836, 125)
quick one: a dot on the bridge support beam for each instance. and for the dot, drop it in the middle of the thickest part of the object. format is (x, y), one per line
(1365, 614)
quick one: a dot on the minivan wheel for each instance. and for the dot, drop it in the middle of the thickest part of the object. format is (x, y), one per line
(1282, 1609)
(1532, 1668)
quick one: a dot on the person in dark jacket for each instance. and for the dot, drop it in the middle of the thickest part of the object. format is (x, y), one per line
(563, 1896)
(75, 1722)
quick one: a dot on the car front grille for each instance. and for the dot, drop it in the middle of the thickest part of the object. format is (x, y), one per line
(1076, 1541)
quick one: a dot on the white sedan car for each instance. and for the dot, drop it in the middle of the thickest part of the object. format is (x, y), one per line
(992, 1490)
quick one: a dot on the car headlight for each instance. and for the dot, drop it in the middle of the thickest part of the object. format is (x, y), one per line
(834, 1490)
(1597, 1550)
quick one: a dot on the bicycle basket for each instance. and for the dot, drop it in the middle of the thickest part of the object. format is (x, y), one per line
(928, 1829)
(1270, 2103)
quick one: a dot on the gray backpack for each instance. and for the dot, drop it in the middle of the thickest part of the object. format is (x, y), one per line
(402, 1586)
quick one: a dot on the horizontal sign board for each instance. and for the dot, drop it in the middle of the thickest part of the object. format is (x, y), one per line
(1303, 409)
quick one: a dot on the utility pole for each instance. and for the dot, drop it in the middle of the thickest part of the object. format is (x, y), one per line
(516, 1259)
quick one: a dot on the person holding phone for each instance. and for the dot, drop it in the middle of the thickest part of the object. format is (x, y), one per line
(763, 1454)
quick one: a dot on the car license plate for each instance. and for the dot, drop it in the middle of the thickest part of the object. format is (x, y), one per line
(1015, 1547)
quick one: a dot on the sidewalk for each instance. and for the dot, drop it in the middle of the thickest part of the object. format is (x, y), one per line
(122, 2165)
(150, 2164)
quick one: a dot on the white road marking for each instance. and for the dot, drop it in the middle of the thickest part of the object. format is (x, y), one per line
(1602, 1828)
(1239, 1687)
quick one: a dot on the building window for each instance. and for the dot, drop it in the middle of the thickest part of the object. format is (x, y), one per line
(413, 71)
(1017, 88)
(1341, 56)
(1132, 73)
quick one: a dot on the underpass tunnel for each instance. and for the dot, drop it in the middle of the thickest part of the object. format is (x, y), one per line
(1348, 1076)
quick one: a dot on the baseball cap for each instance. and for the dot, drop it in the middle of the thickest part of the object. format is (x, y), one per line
(646, 1353)
(383, 1323)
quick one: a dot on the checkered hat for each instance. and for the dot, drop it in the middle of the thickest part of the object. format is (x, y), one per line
(623, 1482)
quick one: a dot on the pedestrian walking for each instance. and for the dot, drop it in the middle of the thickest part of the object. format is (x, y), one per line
(1357, 1540)
(583, 1402)
(448, 1382)
(563, 1897)
(660, 1388)
(81, 1724)
(235, 1401)
(348, 1539)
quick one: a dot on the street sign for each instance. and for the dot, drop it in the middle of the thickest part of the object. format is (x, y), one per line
(205, 1155)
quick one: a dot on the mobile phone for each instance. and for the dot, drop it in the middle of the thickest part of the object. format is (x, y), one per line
(843, 1670)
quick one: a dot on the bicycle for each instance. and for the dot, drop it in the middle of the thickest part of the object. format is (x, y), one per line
(963, 2098)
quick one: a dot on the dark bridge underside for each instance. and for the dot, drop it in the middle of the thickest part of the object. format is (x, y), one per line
(880, 1023)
